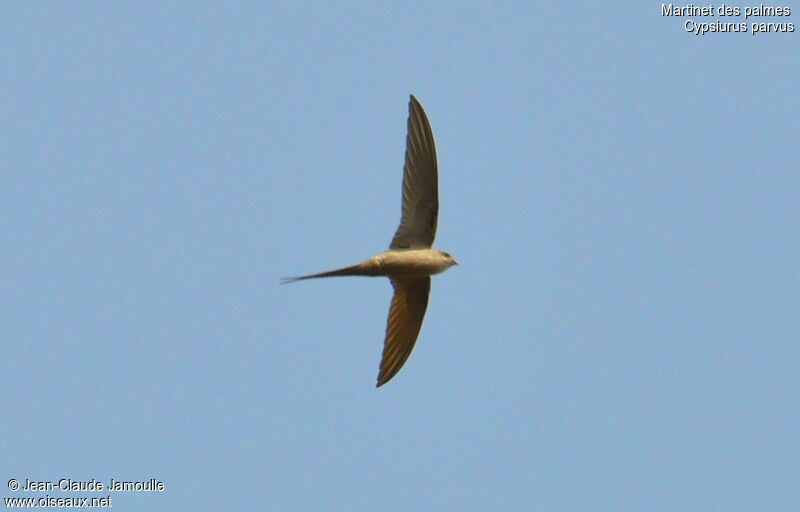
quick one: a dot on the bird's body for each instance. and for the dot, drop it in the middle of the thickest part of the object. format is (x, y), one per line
(392, 263)
(410, 260)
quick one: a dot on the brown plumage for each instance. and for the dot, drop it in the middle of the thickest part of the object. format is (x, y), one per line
(410, 260)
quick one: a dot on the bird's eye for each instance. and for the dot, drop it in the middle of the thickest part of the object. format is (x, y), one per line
(446, 254)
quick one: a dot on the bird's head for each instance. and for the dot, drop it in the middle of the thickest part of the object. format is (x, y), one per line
(448, 258)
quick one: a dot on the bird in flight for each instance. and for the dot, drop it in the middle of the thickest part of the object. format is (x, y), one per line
(410, 260)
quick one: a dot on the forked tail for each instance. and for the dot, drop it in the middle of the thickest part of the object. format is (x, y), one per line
(365, 268)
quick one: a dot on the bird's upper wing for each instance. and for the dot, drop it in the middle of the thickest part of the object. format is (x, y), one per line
(420, 184)
(402, 327)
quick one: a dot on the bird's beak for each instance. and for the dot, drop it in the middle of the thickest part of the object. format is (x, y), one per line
(455, 262)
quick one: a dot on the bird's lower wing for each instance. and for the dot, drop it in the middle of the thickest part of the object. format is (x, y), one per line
(402, 327)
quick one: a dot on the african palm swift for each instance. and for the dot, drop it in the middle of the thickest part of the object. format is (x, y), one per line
(410, 260)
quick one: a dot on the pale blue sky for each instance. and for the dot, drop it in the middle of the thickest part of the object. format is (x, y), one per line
(622, 332)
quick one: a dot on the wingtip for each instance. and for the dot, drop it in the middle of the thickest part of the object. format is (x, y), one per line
(382, 379)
